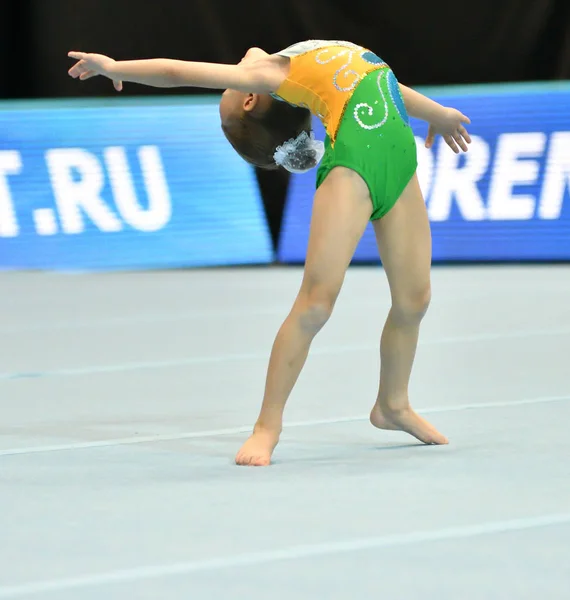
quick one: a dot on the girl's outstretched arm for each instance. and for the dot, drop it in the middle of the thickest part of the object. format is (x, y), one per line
(256, 77)
(448, 122)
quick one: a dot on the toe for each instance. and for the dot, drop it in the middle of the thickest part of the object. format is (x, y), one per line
(241, 459)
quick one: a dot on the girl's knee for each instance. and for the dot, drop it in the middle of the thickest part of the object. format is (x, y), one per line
(315, 307)
(412, 305)
(314, 317)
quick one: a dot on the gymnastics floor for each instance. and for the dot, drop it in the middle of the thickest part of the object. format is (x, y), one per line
(124, 398)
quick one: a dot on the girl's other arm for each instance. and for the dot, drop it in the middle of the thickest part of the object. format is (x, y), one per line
(448, 122)
(420, 106)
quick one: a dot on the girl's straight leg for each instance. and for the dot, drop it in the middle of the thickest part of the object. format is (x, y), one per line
(341, 212)
(404, 242)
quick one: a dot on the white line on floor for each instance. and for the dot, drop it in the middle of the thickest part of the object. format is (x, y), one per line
(284, 554)
(264, 356)
(238, 430)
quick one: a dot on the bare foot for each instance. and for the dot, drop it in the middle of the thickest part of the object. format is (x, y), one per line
(409, 421)
(257, 450)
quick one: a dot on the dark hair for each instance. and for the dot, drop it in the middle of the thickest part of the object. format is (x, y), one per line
(256, 138)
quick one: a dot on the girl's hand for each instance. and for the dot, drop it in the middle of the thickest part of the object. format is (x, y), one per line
(91, 65)
(450, 125)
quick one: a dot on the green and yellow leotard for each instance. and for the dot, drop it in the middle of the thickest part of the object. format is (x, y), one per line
(357, 97)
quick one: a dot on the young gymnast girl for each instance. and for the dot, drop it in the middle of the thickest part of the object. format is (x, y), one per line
(367, 172)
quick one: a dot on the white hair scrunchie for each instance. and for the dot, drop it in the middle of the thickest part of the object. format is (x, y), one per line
(295, 154)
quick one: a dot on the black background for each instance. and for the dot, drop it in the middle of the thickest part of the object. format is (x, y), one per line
(432, 42)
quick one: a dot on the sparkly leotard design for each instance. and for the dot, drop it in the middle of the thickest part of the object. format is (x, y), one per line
(323, 76)
(357, 97)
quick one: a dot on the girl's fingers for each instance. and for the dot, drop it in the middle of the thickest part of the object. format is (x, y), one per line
(118, 85)
(77, 55)
(451, 143)
(460, 142)
(465, 134)
(80, 68)
(430, 139)
(87, 75)
(76, 69)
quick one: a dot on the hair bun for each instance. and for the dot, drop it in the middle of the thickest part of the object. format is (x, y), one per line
(300, 154)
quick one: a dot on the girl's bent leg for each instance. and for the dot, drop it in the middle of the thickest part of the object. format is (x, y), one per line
(341, 211)
(404, 242)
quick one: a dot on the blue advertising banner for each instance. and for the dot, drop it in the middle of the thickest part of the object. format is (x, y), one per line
(507, 199)
(130, 185)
